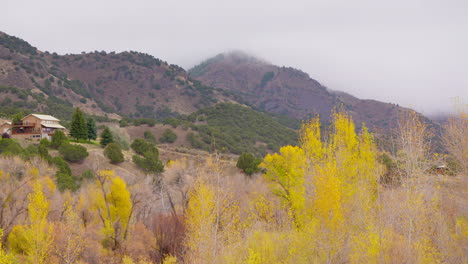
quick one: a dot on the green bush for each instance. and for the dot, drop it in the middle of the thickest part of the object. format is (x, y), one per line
(65, 181)
(123, 123)
(61, 164)
(58, 138)
(248, 163)
(10, 147)
(168, 136)
(73, 153)
(149, 162)
(106, 137)
(114, 153)
(150, 137)
(44, 142)
(88, 174)
(142, 146)
(64, 178)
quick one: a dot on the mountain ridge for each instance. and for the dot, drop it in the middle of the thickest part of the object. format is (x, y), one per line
(132, 84)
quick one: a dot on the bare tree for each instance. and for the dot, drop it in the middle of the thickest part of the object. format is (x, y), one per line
(455, 138)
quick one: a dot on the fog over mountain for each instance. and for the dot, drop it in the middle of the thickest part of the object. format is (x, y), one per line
(409, 52)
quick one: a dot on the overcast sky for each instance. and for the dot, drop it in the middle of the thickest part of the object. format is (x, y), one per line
(410, 52)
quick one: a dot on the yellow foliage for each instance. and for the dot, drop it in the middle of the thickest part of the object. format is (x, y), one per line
(5, 257)
(112, 201)
(35, 240)
(200, 222)
(127, 260)
(285, 172)
(17, 239)
(169, 260)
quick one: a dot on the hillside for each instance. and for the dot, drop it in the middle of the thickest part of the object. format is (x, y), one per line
(236, 129)
(112, 84)
(288, 91)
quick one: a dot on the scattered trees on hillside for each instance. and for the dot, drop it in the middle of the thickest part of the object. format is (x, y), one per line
(327, 189)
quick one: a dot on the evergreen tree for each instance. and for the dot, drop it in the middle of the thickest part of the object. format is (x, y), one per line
(92, 129)
(248, 163)
(106, 137)
(79, 129)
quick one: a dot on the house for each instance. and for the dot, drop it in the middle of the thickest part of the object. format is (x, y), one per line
(35, 127)
(5, 127)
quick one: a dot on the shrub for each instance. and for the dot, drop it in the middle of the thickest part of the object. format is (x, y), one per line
(149, 162)
(120, 136)
(61, 164)
(10, 147)
(141, 146)
(248, 163)
(106, 137)
(64, 178)
(44, 142)
(114, 153)
(73, 153)
(65, 181)
(5, 135)
(123, 123)
(150, 137)
(58, 138)
(168, 136)
(88, 174)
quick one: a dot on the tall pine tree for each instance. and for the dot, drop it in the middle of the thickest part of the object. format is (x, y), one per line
(79, 129)
(92, 129)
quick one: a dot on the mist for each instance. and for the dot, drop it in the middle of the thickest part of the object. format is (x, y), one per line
(409, 52)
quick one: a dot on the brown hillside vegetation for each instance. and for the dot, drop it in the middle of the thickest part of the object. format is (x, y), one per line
(321, 202)
(101, 83)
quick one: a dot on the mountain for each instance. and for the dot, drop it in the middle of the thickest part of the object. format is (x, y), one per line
(133, 85)
(288, 91)
(103, 84)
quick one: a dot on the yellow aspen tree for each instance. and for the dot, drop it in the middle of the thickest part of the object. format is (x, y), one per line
(200, 223)
(112, 201)
(344, 185)
(285, 173)
(38, 234)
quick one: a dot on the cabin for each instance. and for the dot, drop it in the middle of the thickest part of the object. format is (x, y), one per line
(5, 127)
(33, 127)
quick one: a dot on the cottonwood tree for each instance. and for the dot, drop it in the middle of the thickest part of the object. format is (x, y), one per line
(35, 239)
(112, 201)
